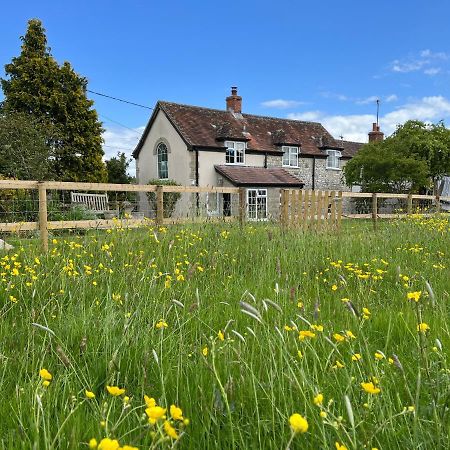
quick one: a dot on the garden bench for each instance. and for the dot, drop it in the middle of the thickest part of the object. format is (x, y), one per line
(95, 203)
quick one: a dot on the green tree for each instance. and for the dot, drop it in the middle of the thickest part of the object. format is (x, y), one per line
(117, 168)
(56, 95)
(24, 150)
(413, 158)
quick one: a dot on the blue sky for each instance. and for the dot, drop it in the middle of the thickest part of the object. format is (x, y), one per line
(325, 61)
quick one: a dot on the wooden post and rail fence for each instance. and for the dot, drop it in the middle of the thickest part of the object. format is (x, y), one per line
(305, 209)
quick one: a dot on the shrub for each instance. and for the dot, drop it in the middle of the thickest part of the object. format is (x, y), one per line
(169, 198)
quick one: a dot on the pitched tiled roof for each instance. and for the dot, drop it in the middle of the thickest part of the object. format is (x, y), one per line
(258, 176)
(208, 128)
(350, 148)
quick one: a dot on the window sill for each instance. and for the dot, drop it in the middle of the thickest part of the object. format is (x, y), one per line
(235, 164)
(290, 167)
(336, 169)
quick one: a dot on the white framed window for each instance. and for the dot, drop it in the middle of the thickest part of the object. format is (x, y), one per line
(235, 153)
(290, 156)
(257, 204)
(163, 166)
(333, 159)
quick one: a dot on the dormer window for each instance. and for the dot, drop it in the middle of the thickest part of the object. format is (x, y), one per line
(290, 156)
(333, 159)
(235, 153)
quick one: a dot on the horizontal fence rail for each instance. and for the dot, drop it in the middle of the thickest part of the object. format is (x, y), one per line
(34, 206)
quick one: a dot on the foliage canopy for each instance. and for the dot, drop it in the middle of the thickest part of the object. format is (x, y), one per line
(412, 159)
(56, 95)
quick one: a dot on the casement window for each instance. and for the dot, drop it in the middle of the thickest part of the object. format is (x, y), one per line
(257, 204)
(290, 156)
(235, 153)
(162, 155)
(333, 159)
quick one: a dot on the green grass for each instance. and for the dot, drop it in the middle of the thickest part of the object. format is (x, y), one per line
(243, 391)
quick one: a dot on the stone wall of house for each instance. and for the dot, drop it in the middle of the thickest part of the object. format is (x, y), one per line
(325, 179)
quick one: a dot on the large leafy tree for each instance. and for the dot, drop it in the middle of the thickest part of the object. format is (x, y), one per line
(56, 95)
(117, 168)
(24, 150)
(412, 159)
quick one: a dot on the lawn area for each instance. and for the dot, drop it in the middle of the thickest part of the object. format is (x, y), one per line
(215, 336)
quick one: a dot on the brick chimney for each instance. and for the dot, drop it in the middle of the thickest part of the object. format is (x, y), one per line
(234, 101)
(376, 135)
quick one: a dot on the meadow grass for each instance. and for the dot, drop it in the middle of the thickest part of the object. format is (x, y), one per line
(239, 327)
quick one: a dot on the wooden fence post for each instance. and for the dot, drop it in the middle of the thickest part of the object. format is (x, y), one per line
(374, 210)
(242, 205)
(284, 207)
(159, 205)
(339, 209)
(43, 226)
(438, 203)
(409, 207)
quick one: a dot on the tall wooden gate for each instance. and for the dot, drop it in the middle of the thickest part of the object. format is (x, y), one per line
(311, 209)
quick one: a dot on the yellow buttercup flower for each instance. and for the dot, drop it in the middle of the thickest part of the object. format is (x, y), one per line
(220, 335)
(306, 333)
(89, 394)
(323, 414)
(423, 327)
(356, 357)
(338, 337)
(340, 446)
(415, 296)
(155, 413)
(170, 430)
(298, 423)
(115, 391)
(93, 443)
(318, 399)
(176, 413)
(149, 401)
(370, 388)
(379, 355)
(108, 444)
(161, 325)
(45, 375)
(205, 351)
(350, 334)
(46, 383)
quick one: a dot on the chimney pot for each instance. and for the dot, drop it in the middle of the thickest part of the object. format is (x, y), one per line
(234, 101)
(376, 135)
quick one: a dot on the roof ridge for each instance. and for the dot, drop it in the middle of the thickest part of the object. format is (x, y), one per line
(244, 114)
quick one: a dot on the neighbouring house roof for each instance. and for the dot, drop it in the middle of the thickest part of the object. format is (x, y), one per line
(209, 128)
(258, 176)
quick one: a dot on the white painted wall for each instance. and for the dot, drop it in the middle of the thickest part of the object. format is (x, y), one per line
(178, 157)
(207, 161)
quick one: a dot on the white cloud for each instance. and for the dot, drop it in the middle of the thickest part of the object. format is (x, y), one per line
(367, 100)
(391, 98)
(438, 55)
(374, 98)
(333, 95)
(420, 62)
(282, 104)
(432, 71)
(119, 139)
(356, 126)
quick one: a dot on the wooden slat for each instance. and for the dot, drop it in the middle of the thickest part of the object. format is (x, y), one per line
(333, 209)
(13, 227)
(301, 200)
(223, 190)
(72, 186)
(306, 200)
(17, 184)
(357, 194)
(339, 208)
(383, 195)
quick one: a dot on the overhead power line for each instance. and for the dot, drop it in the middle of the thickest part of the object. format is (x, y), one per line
(119, 99)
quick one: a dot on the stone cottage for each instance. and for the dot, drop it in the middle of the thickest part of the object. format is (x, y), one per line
(198, 146)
